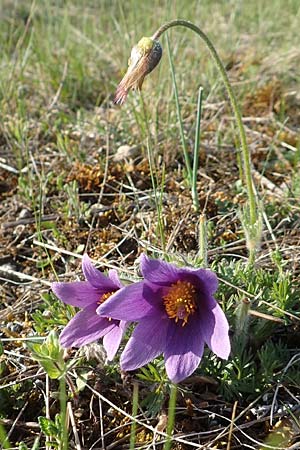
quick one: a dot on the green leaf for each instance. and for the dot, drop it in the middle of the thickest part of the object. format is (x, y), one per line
(48, 427)
(36, 444)
(82, 380)
(22, 446)
(50, 355)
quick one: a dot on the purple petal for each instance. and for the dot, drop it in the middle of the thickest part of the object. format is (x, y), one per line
(85, 327)
(112, 340)
(179, 367)
(147, 342)
(95, 277)
(126, 304)
(214, 328)
(204, 280)
(207, 281)
(184, 349)
(158, 272)
(164, 274)
(113, 275)
(78, 293)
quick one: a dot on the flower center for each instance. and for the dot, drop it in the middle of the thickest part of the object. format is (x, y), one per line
(180, 301)
(105, 297)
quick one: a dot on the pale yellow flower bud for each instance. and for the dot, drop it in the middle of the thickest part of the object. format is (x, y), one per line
(143, 59)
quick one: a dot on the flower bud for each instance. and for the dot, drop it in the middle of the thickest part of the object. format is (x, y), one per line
(143, 59)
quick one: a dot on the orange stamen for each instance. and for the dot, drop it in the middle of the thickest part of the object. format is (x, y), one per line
(105, 297)
(180, 301)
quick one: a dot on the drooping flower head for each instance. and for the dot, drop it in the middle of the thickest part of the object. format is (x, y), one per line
(176, 314)
(87, 326)
(143, 59)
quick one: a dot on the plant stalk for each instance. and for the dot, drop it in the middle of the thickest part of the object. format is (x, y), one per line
(197, 151)
(253, 216)
(171, 416)
(181, 129)
(135, 398)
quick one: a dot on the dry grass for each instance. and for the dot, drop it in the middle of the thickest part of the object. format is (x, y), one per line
(68, 185)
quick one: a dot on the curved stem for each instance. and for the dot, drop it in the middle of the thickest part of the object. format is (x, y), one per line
(234, 104)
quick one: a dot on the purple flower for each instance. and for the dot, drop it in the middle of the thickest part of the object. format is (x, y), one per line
(176, 314)
(87, 326)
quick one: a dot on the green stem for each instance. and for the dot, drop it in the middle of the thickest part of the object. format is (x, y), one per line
(178, 109)
(171, 416)
(135, 398)
(196, 151)
(3, 438)
(202, 253)
(157, 199)
(63, 414)
(234, 104)
(154, 177)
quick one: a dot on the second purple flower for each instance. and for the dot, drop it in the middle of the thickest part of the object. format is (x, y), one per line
(87, 326)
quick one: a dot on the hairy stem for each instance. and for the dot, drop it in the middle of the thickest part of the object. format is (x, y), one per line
(171, 416)
(234, 104)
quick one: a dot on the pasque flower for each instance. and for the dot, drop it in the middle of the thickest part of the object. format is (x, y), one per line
(176, 314)
(143, 59)
(87, 326)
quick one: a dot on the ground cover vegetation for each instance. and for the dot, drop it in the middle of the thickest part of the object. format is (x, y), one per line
(80, 175)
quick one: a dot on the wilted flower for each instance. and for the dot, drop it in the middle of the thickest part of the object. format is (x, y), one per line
(143, 59)
(176, 314)
(87, 326)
